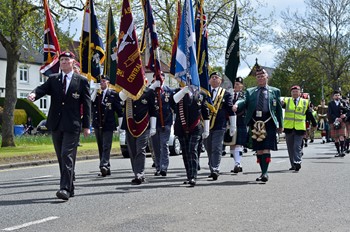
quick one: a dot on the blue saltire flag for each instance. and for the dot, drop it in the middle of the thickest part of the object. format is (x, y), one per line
(186, 70)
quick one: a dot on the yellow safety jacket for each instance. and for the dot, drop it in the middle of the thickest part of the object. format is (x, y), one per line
(294, 117)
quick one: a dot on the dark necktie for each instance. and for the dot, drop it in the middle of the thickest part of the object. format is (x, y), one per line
(261, 99)
(295, 101)
(235, 96)
(64, 84)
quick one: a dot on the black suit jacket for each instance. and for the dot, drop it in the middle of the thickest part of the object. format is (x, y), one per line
(103, 111)
(335, 111)
(64, 113)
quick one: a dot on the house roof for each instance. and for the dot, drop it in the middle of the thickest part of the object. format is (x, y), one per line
(28, 55)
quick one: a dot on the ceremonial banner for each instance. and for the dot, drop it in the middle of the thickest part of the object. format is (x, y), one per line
(92, 52)
(51, 45)
(176, 38)
(186, 70)
(202, 50)
(130, 73)
(153, 45)
(232, 56)
(110, 65)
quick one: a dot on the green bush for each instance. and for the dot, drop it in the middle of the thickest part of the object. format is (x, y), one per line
(20, 117)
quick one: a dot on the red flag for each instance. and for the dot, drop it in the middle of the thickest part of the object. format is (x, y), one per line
(130, 72)
(51, 45)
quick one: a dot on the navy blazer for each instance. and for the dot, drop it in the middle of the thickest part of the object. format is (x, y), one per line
(103, 111)
(66, 108)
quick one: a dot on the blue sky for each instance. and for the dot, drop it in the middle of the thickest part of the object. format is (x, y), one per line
(268, 52)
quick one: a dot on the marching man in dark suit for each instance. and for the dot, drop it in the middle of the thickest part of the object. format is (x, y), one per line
(189, 109)
(139, 122)
(222, 103)
(68, 91)
(264, 116)
(104, 107)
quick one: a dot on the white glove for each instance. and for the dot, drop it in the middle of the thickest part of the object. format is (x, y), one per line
(94, 87)
(153, 126)
(155, 84)
(205, 133)
(31, 97)
(122, 95)
(233, 120)
(179, 95)
(120, 121)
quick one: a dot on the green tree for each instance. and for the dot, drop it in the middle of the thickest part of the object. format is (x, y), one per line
(19, 20)
(322, 33)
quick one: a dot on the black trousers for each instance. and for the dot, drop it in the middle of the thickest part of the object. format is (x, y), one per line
(104, 143)
(65, 144)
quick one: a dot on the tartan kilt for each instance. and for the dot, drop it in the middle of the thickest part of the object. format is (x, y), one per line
(242, 135)
(270, 142)
(339, 132)
(347, 128)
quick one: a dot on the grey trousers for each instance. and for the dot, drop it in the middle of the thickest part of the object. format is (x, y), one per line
(65, 144)
(137, 151)
(213, 145)
(104, 143)
(161, 148)
(293, 142)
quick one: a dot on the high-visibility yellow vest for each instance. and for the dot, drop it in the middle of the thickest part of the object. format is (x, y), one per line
(294, 116)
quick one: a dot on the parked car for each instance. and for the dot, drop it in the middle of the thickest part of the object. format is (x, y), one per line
(174, 144)
(41, 128)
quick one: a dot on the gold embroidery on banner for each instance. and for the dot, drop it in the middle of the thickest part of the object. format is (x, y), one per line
(216, 105)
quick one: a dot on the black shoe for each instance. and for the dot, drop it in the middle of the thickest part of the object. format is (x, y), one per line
(311, 141)
(62, 194)
(342, 154)
(163, 173)
(108, 172)
(104, 171)
(263, 178)
(338, 155)
(237, 169)
(215, 175)
(347, 151)
(199, 167)
(73, 176)
(71, 194)
(305, 145)
(223, 153)
(211, 175)
(186, 182)
(297, 167)
(157, 173)
(136, 181)
(323, 141)
(192, 182)
(231, 155)
(245, 150)
(292, 168)
(153, 165)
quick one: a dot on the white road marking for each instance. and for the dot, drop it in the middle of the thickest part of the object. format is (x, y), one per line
(38, 177)
(30, 223)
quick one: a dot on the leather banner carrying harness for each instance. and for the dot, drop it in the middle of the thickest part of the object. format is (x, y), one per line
(217, 104)
(185, 127)
(135, 128)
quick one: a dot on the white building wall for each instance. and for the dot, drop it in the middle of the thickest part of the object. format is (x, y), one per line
(25, 83)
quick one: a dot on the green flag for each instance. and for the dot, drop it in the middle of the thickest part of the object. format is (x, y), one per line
(110, 66)
(232, 58)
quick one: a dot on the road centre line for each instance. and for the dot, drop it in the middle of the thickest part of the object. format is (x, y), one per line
(37, 177)
(30, 223)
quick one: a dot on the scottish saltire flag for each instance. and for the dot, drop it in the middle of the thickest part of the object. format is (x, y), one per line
(176, 38)
(92, 52)
(130, 72)
(202, 49)
(232, 56)
(51, 45)
(110, 65)
(186, 71)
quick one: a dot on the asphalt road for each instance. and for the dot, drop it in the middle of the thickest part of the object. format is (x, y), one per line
(315, 199)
